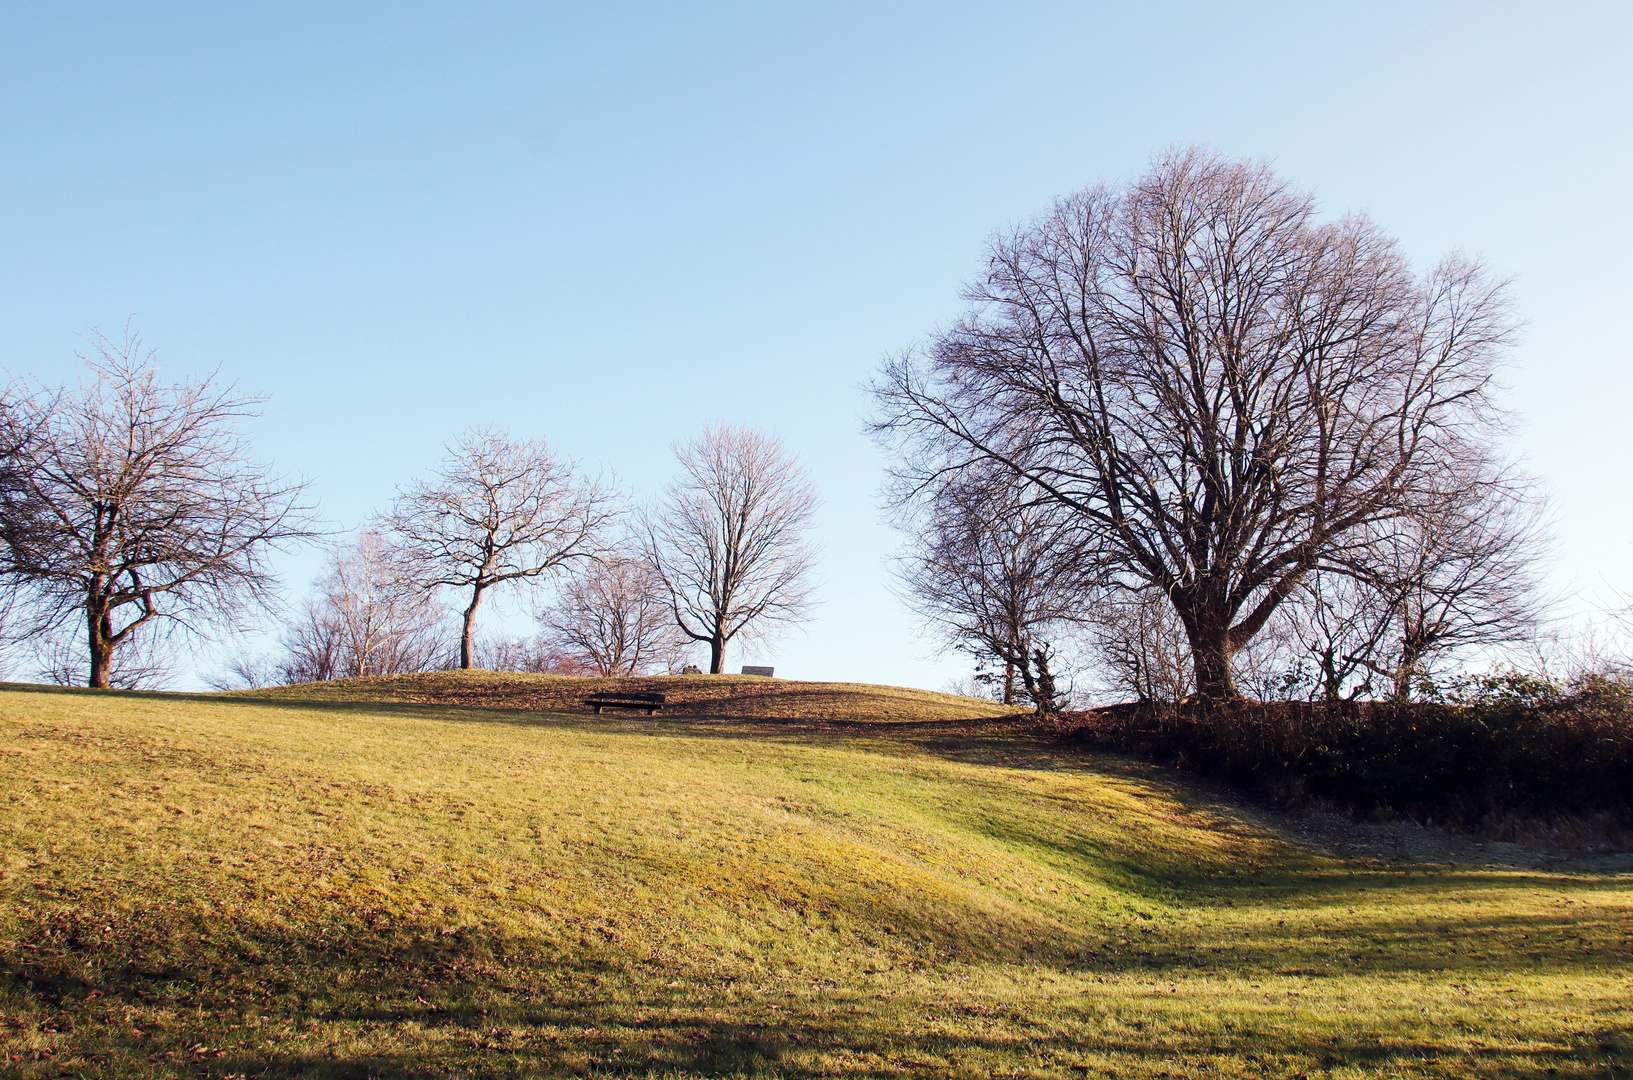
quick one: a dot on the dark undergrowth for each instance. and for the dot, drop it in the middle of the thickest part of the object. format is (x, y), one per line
(1512, 763)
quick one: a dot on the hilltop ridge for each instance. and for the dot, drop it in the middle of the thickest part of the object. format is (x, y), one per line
(726, 696)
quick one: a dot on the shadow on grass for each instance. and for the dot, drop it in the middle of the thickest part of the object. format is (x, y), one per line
(808, 1048)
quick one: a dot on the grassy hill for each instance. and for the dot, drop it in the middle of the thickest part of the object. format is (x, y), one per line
(364, 879)
(733, 696)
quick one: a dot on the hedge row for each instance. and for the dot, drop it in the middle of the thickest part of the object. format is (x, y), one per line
(1463, 765)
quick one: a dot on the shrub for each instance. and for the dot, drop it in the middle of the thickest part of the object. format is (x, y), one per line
(1503, 746)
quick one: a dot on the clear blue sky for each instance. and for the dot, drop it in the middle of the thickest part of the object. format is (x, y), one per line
(608, 224)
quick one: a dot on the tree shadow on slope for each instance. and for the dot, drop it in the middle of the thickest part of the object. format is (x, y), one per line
(179, 992)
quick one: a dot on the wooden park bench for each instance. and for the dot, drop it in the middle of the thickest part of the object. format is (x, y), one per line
(652, 703)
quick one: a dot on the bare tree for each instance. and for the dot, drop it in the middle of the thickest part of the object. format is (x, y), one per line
(1223, 390)
(1338, 622)
(729, 540)
(501, 512)
(614, 614)
(1140, 646)
(368, 617)
(536, 655)
(994, 572)
(1461, 574)
(249, 671)
(136, 501)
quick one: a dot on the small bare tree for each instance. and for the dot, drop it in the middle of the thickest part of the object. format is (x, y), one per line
(367, 618)
(729, 540)
(501, 512)
(1461, 573)
(995, 571)
(1139, 646)
(136, 501)
(1338, 623)
(614, 614)
(536, 655)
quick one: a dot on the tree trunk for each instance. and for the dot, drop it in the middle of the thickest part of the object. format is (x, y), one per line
(1044, 692)
(1406, 671)
(467, 635)
(101, 675)
(1331, 681)
(717, 655)
(1009, 682)
(1210, 658)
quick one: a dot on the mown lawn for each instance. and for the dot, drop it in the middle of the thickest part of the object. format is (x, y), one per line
(218, 886)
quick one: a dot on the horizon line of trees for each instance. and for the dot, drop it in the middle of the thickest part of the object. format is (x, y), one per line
(1188, 440)
(134, 517)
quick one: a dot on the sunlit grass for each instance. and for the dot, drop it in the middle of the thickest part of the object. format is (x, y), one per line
(277, 887)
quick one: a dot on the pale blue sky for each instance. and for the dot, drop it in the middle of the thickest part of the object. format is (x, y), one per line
(608, 227)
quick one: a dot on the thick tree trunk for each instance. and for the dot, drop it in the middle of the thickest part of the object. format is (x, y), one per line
(101, 650)
(1208, 633)
(717, 655)
(1210, 658)
(1009, 682)
(467, 635)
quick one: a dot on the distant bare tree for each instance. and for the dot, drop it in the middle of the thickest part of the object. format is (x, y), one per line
(729, 540)
(1338, 623)
(501, 512)
(1225, 390)
(614, 614)
(135, 501)
(536, 655)
(248, 671)
(368, 617)
(1463, 573)
(1140, 646)
(995, 572)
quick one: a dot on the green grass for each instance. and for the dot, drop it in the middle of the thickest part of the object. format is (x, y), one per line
(280, 886)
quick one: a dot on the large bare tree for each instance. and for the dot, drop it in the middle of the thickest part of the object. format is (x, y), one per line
(501, 512)
(135, 501)
(729, 540)
(1226, 391)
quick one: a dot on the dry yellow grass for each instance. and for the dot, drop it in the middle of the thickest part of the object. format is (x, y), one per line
(280, 886)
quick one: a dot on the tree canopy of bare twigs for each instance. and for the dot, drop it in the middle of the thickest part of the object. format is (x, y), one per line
(1463, 573)
(1139, 646)
(368, 617)
(1226, 392)
(993, 571)
(535, 655)
(137, 501)
(614, 614)
(729, 540)
(500, 512)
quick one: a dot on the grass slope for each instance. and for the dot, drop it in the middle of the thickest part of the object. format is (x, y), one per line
(279, 886)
